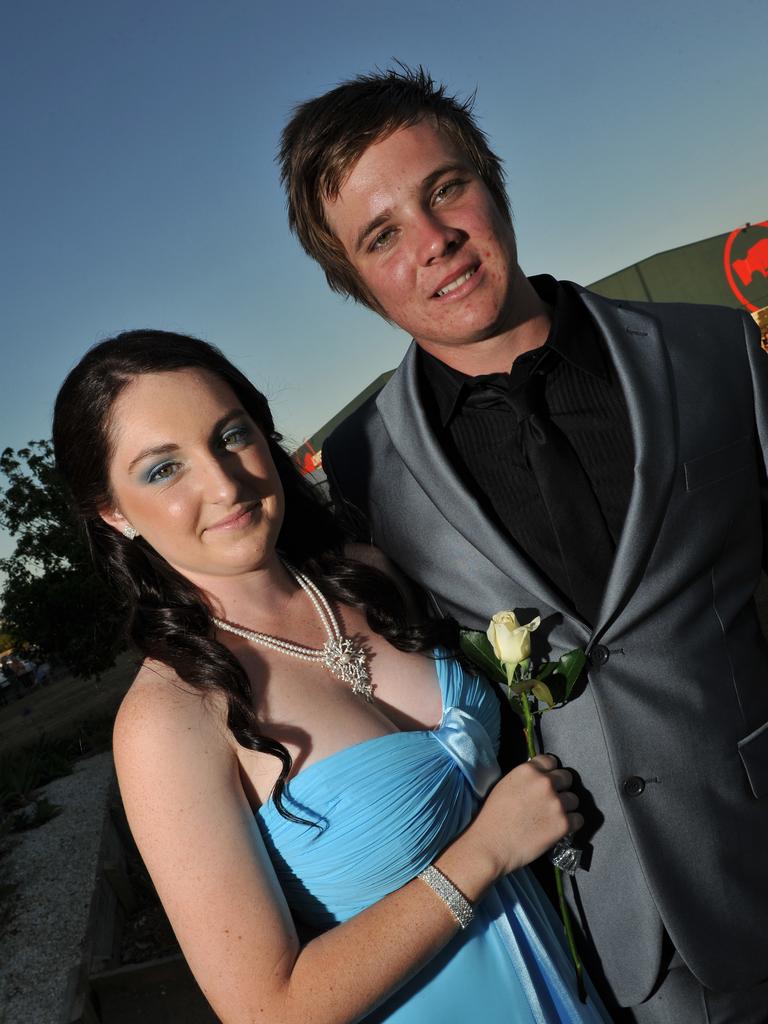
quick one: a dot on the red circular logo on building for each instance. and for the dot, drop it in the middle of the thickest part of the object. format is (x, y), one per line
(745, 259)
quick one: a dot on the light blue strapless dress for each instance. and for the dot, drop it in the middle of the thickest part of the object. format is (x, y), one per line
(386, 808)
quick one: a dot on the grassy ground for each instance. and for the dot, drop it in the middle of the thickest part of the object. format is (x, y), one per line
(59, 708)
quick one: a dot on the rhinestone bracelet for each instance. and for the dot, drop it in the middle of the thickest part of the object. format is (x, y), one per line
(455, 900)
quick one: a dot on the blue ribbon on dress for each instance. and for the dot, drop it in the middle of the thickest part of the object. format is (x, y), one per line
(470, 746)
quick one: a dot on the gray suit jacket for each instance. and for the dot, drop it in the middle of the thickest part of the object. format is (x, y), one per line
(670, 736)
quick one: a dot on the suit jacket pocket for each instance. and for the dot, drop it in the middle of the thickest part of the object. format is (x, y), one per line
(717, 465)
(754, 754)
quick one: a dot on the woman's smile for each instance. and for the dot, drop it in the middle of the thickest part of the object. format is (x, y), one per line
(238, 519)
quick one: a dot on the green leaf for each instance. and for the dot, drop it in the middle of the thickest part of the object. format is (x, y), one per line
(477, 648)
(542, 692)
(521, 685)
(571, 666)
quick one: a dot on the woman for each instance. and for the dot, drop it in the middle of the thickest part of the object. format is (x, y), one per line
(286, 758)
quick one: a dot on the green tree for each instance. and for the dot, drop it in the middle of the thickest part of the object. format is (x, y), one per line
(52, 597)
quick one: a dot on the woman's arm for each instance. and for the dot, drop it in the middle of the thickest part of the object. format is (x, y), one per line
(179, 779)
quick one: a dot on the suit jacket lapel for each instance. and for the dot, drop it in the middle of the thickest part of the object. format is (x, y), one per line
(641, 362)
(400, 407)
(639, 357)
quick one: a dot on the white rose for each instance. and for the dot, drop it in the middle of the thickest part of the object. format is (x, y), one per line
(511, 641)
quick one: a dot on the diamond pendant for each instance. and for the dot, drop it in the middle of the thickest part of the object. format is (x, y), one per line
(347, 660)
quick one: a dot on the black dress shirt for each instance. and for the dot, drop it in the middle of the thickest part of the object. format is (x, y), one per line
(581, 395)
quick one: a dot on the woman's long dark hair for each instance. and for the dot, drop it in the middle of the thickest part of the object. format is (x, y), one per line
(168, 617)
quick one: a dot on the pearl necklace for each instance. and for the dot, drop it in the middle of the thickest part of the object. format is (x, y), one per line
(344, 658)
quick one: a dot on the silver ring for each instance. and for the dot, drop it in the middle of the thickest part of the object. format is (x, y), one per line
(565, 856)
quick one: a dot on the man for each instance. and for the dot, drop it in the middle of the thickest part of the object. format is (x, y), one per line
(598, 463)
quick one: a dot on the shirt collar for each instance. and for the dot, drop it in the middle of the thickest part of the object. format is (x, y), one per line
(572, 335)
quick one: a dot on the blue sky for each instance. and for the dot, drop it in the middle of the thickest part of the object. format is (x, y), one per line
(138, 185)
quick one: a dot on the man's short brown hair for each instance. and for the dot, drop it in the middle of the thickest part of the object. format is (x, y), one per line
(326, 137)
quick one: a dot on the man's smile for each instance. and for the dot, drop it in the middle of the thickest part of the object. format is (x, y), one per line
(455, 282)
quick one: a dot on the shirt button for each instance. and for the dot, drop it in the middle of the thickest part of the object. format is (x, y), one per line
(599, 655)
(634, 785)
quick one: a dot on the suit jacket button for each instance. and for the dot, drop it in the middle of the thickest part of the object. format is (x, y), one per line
(599, 655)
(634, 785)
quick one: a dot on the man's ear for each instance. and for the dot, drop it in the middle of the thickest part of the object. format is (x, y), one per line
(114, 517)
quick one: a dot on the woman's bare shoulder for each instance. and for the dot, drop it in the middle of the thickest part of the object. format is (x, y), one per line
(161, 709)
